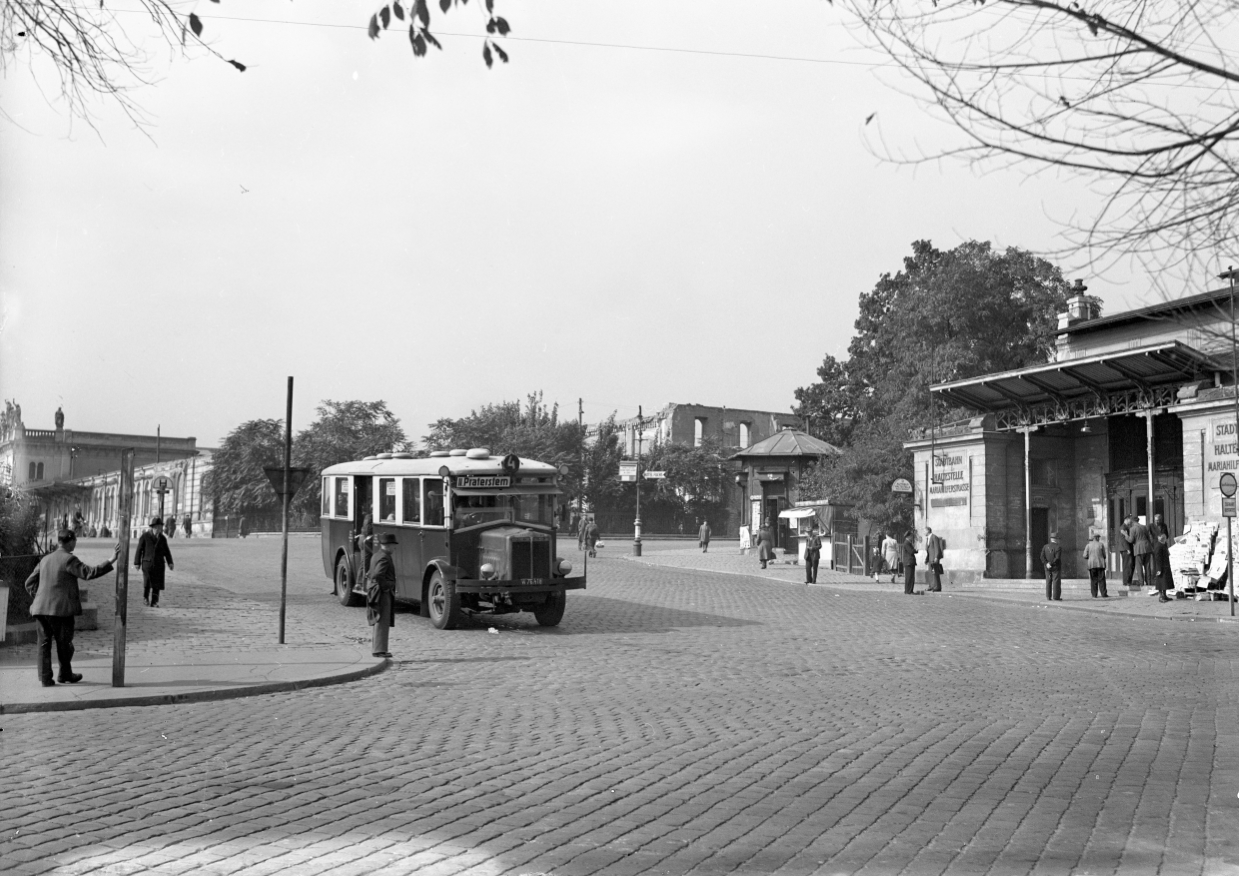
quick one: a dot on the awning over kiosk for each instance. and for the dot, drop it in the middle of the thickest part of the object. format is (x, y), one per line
(1142, 369)
(797, 513)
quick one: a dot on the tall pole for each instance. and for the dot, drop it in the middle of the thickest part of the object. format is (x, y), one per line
(1028, 545)
(125, 513)
(288, 458)
(580, 498)
(1234, 368)
(636, 541)
(158, 442)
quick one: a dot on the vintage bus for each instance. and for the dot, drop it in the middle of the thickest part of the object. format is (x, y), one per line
(475, 532)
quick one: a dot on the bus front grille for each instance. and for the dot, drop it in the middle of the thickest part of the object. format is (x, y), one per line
(531, 558)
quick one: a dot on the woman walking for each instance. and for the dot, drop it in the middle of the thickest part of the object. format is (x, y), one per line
(765, 544)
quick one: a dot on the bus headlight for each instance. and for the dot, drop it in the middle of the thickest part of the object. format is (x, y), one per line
(488, 570)
(564, 568)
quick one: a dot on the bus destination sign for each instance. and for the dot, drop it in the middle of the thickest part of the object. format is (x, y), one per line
(478, 482)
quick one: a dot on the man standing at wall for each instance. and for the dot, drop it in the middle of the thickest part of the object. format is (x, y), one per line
(934, 548)
(909, 562)
(1141, 541)
(1052, 560)
(1129, 560)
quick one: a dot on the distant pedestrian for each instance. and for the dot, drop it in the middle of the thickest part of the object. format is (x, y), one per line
(1125, 551)
(908, 560)
(934, 549)
(150, 557)
(1095, 559)
(188, 523)
(1052, 562)
(812, 553)
(57, 601)
(381, 595)
(703, 536)
(765, 544)
(169, 526)
(890, 555)
(243, 528)
(1163, 574)
(593, 535)
(1142, 551)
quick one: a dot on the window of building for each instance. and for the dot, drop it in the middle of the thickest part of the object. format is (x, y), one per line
(744, 434)
(31, 477)
(412, 489)
(387, 500)
(39, 476)
(699, 430)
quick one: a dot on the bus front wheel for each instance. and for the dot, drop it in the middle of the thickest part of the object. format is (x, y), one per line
(551, 612)
(344, 588)
(444, 602)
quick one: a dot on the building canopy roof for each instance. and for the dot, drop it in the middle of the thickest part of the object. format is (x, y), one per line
(1140, 369)
(789, 443)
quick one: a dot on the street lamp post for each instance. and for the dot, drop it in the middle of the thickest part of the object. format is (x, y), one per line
(1229, 275)
(636, 540)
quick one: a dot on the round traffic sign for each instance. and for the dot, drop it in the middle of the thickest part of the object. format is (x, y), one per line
(1227, 484)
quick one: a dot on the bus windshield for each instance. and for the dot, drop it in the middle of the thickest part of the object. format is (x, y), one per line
(475, 508)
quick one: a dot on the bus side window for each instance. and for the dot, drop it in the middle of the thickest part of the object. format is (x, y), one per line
(412, 488)
(326, 491)
(434, 502)
(341, 497)
(387, 500)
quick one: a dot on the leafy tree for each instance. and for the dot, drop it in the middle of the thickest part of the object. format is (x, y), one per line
(236, 482)
(601, 483)
(1135, 99)
(344, 430)
(532, 432)
(694, 489)
(946, 316)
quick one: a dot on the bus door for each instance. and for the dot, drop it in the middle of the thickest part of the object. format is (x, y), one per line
(408, 554)
(362, 505)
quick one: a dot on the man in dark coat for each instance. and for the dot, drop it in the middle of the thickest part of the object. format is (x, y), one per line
(909, 562)
(152, 552)
(381, 594)
(765, 544)
(703, 536)
(1159, 528)
(592, 536)
(1141, 541)
(1052, 560)
(812, 553)
(1129, 560)
(934, 550)
(57, 601)
(1161, 566)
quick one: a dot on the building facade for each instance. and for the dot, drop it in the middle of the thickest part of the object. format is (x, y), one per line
(679, 423)
(97, 497)
(1136, 415)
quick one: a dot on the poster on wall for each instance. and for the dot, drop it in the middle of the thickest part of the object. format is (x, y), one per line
(950, 486)
(1221, 453)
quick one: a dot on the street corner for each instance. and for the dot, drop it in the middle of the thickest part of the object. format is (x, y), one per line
(186, 676)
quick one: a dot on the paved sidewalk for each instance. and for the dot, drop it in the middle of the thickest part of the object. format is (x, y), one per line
(724, 557)
(201, 643)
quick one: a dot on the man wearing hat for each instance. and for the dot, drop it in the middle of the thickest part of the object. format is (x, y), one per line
(1052, 560)
(57, 602)
(381, 594)
(150, 557)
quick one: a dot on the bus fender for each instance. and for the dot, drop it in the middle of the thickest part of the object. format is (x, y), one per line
(449, 573)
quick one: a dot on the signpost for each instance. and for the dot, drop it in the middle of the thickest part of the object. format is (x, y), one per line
(655, 475)
(628, 472)
(286, 480)
(161, 487)
(125, 515)
(1228, 485)
(901, 485)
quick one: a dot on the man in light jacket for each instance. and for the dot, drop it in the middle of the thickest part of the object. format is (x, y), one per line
(57, 602)
(1095, 556)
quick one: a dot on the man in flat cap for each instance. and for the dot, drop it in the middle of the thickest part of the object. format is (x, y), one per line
(57, 602)
(1052, 560)
(150, 557)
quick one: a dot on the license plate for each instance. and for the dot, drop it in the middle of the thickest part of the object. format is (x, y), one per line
(533, 582)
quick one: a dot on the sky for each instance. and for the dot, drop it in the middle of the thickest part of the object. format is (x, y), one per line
(651, 203)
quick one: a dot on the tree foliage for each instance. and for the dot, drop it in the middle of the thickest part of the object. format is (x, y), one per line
(948, 315)
(533, 431)
(94, 52)
(1137, 99)
(344, 430)
(236, 482)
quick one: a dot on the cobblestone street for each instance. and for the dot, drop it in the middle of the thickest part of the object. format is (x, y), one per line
(678, 721)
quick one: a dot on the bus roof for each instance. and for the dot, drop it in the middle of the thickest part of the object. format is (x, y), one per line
(401, 464)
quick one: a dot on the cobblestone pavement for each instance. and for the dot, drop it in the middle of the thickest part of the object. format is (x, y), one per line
(677, 722)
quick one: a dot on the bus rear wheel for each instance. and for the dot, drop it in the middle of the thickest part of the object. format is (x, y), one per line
(444, 602)
(551, 612)
(344, 587)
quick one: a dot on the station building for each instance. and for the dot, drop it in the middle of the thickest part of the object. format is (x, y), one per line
(1135, 415)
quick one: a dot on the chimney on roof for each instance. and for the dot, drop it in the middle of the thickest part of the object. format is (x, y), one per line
(1080, 307)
